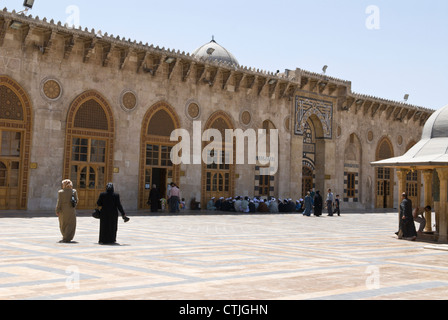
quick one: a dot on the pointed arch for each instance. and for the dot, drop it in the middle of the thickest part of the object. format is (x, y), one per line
(155, 151)
(352, 169)
(384, 176)
(385, 149)
(265, 185)
(16, 124)
(218, 180)
(89, 146)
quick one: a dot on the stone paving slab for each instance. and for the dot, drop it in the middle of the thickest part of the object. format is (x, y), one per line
(220, 257)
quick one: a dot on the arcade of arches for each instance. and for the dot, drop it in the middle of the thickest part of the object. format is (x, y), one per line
(89, 151)
(101, 109)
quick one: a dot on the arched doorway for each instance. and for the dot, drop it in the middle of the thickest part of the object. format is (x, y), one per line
(313, 158)
(15, 144)
(155, 163)
(89, 147)
(384, 176)
(218, 178)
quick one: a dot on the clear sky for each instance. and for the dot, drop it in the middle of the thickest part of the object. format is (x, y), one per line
(394, 48)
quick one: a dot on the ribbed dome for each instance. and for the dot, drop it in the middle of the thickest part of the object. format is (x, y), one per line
(437, 125)
(212, 51)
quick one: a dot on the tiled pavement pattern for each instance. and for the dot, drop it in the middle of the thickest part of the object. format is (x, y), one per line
(221, 257)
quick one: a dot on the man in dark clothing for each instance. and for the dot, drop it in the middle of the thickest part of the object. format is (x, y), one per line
(407, 227)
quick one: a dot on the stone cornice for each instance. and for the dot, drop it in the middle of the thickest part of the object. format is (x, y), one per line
(281, 84)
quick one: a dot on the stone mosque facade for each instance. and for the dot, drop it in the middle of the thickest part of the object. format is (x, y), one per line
(98, 108)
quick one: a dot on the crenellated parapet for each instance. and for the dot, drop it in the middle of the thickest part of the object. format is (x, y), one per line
(57, 42)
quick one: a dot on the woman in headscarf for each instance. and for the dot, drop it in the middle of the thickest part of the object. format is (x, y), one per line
(154, 198)
(66, 211)
(110, 204)
(318, 203)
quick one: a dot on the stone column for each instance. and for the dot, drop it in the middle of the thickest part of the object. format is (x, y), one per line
(401, 174)
(443, 217)
(427, 177)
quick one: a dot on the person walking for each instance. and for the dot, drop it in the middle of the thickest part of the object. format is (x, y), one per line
(308, 204)
(329, 202)
(110, 204)
(66, 211)
(407, 229)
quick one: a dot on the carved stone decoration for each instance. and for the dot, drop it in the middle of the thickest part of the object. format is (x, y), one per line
(370, 136)
(193, 110)
(128, 100)
(51, 89)
(323, 110)
(246, 118)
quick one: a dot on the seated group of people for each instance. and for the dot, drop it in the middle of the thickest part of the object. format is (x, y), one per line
(252, 205)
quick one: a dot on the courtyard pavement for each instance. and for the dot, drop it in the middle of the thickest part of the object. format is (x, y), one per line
(211, 256)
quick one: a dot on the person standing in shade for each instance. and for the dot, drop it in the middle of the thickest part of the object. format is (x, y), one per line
(407, 226)
(174, 198)
(66, 212)
(154, 198)
(110, 204)
(329, 202)
(318, 203)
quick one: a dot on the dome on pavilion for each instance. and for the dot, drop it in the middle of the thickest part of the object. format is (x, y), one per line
(431, 150)
(437, 125)
(212, 51)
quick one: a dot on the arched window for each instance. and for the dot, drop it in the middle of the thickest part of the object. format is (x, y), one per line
(156, 167)
(89, 147)
(15, 144)
(161, 124)
(352, 169)
(384, 176)
(217, 178)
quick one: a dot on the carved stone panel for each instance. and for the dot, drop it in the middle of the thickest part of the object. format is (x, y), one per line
(323, 110)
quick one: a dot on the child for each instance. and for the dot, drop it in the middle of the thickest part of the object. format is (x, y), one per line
(182, 204)
(336, 206)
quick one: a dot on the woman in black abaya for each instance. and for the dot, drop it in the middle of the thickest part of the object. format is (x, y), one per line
(110, 204)
(154, 199)
(318, 203)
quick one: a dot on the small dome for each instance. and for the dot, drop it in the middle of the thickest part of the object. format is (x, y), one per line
(212, 51)
(437, 125)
